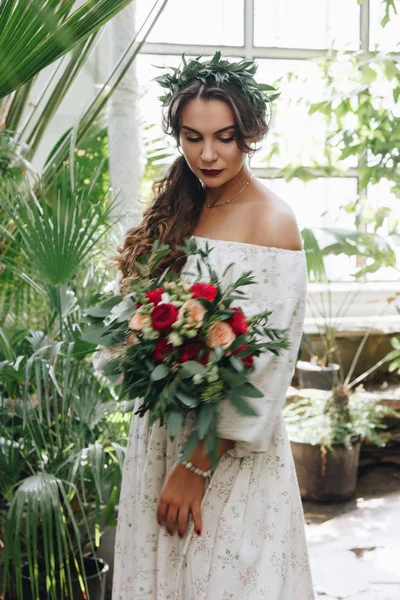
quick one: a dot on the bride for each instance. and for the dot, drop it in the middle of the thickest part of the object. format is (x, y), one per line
(185, 532)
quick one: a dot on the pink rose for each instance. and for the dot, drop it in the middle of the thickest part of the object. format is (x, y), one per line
(220, 334)
(138, 321)
(193, 311)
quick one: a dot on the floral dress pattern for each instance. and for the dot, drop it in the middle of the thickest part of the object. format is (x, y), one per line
(253, 542)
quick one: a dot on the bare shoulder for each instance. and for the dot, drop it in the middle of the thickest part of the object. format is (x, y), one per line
(274, 223)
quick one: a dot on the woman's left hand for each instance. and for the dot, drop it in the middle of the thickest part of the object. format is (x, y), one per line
(182, 492)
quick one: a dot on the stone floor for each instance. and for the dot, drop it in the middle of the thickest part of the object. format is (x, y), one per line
(355, 546)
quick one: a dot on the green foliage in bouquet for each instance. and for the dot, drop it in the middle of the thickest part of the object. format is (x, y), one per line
(183, 347)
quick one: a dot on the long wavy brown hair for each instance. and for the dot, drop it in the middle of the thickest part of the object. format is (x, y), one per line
(179, 196)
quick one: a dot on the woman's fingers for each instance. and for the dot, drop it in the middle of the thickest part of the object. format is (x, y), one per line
(198, 521)
(170, 520)
(161, 511)
(183, 520)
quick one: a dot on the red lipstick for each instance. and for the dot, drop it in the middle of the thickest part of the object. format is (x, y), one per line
(211, 172)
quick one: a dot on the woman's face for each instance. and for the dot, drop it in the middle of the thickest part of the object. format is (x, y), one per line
(207, 138)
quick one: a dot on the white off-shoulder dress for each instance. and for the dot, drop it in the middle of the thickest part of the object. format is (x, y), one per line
(253, 542)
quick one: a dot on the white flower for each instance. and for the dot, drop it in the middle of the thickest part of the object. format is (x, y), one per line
(165, 298)
(211, 378)
(213, 374)
(197, 378)
(118, 309)
(191, 333)
(177, 303)
(150, 333)
(113, 286)
(175, 339)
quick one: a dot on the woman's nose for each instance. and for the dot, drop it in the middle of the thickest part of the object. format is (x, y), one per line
(208, 153)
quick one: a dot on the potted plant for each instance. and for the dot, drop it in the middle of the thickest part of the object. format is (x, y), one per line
(57, 462)
(326, 428)
(60, 470)
(322, 370)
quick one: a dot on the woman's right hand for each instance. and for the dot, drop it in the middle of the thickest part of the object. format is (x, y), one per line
(181, 493)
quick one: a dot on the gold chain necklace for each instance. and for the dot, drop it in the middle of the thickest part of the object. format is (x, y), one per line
(215, 205)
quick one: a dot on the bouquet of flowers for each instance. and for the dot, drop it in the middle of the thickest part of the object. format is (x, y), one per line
(183, 347)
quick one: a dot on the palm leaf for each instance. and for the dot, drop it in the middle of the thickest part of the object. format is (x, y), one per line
(37, 515)
(75, 64)
(314, 256)
(57, 237)
(35, 33)
(105, 93)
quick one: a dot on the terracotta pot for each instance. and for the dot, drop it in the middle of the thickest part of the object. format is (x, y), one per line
(324, 475)
(316, 377)
(96, 582)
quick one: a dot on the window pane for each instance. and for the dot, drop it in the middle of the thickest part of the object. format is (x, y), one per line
(149, 90)
(183, 22)
(383, 38)
(153, 138)
(298, 137)
(307, 24)
(318, 203)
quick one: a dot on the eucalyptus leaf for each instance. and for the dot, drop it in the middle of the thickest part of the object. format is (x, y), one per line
(174, 423)
(187, 399)
(249, 390)
(190, 368)
(205, 417)
(160, 372)
(241, 404)
(103, 309)
(237, 364)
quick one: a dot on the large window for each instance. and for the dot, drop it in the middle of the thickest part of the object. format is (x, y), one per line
(282, 36)
(307, 24)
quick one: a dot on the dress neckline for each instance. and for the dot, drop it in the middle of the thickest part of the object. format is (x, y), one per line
(247, 245)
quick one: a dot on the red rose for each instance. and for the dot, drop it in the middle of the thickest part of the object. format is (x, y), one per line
(155, 295)
(248, 360)
(161, 349)
(163, 316)
(238, 322)
(191, 352)
(204, 290)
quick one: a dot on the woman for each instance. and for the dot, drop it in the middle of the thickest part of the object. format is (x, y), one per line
(238, 532)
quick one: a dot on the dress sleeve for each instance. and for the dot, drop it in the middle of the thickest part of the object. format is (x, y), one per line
(282, 291)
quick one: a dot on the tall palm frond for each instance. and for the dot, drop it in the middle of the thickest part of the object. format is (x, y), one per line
(56, 236)
(108, 88)
(35, 33)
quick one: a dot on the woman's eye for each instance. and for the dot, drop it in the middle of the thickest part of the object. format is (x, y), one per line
(226, 140)
(189, 139)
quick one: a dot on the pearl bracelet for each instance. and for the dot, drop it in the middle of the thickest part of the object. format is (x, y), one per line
(192, 468)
